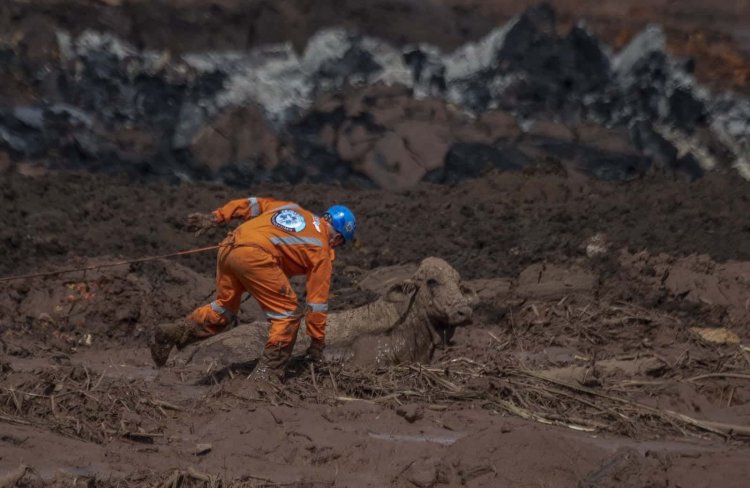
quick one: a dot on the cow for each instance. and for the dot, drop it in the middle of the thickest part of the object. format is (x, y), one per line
(404, 325)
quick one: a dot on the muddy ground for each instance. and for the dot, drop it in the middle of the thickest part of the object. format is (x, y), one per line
(587, 363)
(609, 345)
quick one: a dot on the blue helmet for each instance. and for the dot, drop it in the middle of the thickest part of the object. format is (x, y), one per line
(342, 219)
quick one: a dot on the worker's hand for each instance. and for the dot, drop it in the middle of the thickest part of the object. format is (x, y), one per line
(200, 222)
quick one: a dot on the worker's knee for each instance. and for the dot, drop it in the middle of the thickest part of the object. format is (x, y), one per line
(283, 333)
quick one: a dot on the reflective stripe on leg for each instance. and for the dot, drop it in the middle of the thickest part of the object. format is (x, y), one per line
(282, 315)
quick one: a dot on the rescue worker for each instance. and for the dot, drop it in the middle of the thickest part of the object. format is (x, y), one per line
(277, 240)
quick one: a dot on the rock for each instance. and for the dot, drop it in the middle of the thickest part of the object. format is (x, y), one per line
(615, 139)
(395, 113)
(354, 141)
(411, 413)
(596, 245)
(649, 44)
(335, 57)
(595, 161)
(391, 165)
(240, 137)
(491, 290)
(652, 145)
(545, 129)
(699, 280)
(731, 122)
(422, 474)
(31, 117)
(719, 335)
(471, 160)
(36, 39)
(499, 125)
(428, 70)
(557, 72)
(686, 110)
(390, 115)
(201, 449)
(426, 142)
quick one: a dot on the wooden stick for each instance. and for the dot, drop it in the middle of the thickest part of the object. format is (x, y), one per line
(14, 421)
(720, 375)
(707, 425)
(333, 382)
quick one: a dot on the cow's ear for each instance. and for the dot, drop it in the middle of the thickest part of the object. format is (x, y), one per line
(401, 291)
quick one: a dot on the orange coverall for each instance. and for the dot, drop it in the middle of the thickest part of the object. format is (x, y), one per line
(277, 240)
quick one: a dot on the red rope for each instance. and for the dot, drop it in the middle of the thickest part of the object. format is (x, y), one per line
(109, 265)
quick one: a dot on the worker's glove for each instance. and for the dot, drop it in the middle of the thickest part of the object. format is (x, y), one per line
(200, 222)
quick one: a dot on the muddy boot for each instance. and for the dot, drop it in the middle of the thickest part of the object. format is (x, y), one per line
(314, 352)
(272, 364)
(166, 336)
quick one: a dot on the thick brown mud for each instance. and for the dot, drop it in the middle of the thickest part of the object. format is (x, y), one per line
(587, 363)
(611, 339)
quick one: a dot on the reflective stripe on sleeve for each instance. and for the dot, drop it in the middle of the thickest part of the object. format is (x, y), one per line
(254, 207)
(296, 241)
(318, 307)
(221, 310)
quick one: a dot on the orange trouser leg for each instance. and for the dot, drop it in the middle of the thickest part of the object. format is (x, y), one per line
(261, 276)
(315, 323)
(215, 316)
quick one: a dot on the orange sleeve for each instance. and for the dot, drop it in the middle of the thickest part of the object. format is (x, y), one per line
(243, 208)
(318, 287)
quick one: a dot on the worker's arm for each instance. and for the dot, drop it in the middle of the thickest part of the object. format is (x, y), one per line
(243, 208)
(316, 308)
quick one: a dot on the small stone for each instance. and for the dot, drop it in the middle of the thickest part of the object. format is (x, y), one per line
(201, 449)
(596, 245)
(411, 413)
(720, 335)
(422, 474)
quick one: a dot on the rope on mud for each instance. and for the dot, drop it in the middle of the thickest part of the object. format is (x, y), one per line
(110, 265)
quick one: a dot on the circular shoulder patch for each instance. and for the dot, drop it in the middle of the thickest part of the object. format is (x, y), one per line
(289, 220)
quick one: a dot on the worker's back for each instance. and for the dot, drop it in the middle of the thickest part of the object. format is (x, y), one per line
(296, 236)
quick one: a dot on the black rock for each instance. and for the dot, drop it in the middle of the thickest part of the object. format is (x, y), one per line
(471, 160)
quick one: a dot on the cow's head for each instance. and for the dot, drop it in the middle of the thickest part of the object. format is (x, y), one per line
(436, 294)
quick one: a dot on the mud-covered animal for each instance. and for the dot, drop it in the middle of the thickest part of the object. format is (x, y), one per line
(405, 325)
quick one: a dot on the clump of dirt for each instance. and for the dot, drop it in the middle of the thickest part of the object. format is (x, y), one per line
(112, 303)
(697, 279)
